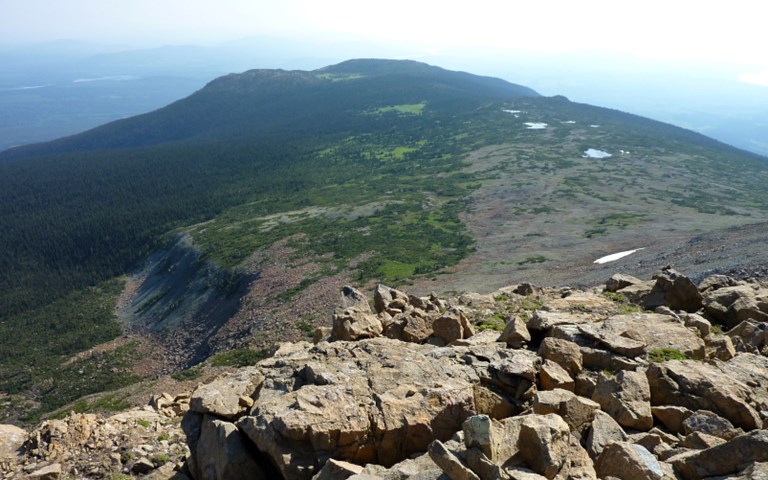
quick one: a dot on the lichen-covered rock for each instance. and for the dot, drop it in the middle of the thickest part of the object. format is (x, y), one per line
(628, 460)
(710, 423)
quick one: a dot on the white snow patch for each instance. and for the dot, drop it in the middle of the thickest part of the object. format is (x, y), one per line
(594, 153)
(615, 256)
(512, 111)
(569, 121)
(594, 126)
(536, 125)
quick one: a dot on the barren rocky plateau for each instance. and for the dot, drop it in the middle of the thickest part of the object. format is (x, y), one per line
(634, 379)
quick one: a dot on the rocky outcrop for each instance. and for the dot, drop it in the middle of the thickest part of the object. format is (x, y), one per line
(422, 388)
(146, 441)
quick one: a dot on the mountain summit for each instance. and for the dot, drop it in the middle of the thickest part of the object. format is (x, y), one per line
(260, 103)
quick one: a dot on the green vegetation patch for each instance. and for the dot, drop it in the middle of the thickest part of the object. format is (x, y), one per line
(402, 109)
(496, 322)
(666, 354)
(614, 221)
(623, 304)
(241, 357)
(533, 259)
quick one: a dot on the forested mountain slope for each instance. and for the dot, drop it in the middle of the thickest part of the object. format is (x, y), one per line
(283, 182)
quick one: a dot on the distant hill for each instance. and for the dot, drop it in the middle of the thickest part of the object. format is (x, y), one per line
(238, 210)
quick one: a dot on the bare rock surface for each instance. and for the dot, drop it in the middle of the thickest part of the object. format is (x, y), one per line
(627, 398)
(736, 390)
(428, 388)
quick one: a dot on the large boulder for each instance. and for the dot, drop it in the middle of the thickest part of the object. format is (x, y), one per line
(627, 398)
(578, 412)
(229, 395)
(732, 305)
(515, 334)
(372, 401)
(544, 443)
(674, 290)
(652, 331)
(354, 323)
(602, 431)
(11, 440)
(736, 390)
(563, 352)
(222, 453)
(727, 458)
(628, 460)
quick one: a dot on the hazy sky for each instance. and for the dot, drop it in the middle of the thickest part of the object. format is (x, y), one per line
(730, 33)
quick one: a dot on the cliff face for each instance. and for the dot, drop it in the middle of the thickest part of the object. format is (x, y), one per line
(632, 380)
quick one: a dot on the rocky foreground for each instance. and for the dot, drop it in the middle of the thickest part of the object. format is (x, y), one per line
(659, 379)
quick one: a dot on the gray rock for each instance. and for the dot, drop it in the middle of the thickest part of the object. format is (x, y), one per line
(628, 460)
(478, 433)
(710, 423)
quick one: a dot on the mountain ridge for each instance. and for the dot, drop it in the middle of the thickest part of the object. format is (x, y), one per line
(443, 180)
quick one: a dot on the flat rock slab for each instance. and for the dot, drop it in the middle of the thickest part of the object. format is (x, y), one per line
(373, 401)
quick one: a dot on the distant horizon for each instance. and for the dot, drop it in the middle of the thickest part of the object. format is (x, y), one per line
(726, 101)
